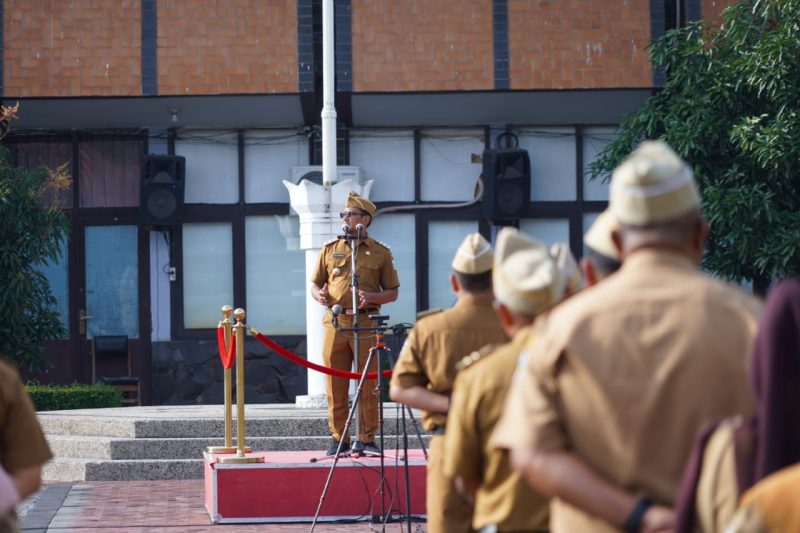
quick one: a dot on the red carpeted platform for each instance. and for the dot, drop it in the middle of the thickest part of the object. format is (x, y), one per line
(287, 488)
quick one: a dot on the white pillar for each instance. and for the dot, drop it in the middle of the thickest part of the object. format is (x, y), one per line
(319, 222)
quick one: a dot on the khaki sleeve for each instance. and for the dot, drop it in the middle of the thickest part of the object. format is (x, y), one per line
(408, 370)
(389, 278)
(320, 276)
(462, 439)
(531, 417)
(22, 444)
(717, 488)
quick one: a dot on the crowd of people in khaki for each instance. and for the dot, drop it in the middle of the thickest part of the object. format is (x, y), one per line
(635, 393)
(615, 402)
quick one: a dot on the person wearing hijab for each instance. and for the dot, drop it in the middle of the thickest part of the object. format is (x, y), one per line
(731, 455)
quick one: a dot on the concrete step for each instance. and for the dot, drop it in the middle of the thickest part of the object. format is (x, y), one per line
(72, 469)
(167, 442)
(116, 449)
(203, 421)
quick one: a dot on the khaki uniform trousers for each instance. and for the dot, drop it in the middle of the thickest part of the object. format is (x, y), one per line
(337, 352)
(448, 511)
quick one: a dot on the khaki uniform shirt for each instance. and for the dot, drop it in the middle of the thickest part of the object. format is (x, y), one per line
(22, 444)
(428, 357)
(375, 266)
(503, 497)
(625, 373)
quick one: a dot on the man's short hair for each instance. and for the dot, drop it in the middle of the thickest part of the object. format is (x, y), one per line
(474, 282)
(604, 264)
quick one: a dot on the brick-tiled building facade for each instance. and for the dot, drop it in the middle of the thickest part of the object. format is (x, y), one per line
(235, 87)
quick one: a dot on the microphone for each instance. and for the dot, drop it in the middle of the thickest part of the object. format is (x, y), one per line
(337, 310)
(359, 228)
(345, 229)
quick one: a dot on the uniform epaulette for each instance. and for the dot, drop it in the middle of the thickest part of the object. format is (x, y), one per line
(429, 312)
(475, 356)
(382, 244)
(326, 243)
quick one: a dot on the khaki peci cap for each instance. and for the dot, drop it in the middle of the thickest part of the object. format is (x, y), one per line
(359, 202)
(652, 185)
(570, 278)
(474, 256)
(598, 238)
(524, 275)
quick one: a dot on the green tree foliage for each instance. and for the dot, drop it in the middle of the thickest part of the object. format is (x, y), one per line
(731, 108)
(31, 236)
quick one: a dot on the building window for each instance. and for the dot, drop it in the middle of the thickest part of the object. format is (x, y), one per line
(207, 273)
(212, 167)
(448, 173)
(276, 275)
(444, 238)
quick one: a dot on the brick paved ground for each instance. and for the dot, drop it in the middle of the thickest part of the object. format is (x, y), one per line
(148, 506)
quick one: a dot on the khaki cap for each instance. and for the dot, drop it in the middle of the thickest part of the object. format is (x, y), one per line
(359, 202)
(570, 279)
(598, 238)
(652, 185)
(524, 275)
(474, 256)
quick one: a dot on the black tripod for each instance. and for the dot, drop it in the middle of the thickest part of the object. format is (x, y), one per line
(378, 326)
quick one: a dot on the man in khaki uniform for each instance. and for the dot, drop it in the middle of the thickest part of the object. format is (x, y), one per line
(426, 367)
(526, 283)
(331, 285)
(23, 448)
(618, 379)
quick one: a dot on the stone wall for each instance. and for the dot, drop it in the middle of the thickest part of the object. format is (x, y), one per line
(190, 372)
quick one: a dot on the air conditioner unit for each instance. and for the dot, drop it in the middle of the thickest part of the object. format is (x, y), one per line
(314, 173)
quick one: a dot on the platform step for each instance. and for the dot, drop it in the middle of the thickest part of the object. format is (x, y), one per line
(111, 448)
(72, 469)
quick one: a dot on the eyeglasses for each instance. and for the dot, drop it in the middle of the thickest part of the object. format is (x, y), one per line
(345, 214)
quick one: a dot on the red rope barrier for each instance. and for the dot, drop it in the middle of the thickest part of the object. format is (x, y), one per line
(280, 350)
(225, 355)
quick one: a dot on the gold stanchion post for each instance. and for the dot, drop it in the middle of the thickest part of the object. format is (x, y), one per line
(227, 327)
(240, 330)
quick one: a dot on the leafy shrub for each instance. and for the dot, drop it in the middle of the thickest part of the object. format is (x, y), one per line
(75, 396)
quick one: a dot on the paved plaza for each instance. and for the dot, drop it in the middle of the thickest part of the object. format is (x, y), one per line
(148, 506)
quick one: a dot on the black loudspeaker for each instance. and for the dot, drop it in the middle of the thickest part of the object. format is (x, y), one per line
(506, 183)
(162, 187)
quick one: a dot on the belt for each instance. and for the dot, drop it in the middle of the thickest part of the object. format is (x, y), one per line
(492, 528)
(437, 430)
(366, 310)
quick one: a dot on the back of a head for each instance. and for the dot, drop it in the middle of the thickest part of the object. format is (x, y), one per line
(525, 277)
(472, 263)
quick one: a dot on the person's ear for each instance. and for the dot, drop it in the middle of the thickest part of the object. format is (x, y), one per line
(616, 238)
(589, 272)
(454, 283)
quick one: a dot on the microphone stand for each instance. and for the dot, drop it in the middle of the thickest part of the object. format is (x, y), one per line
(379, 324)
(357, 448)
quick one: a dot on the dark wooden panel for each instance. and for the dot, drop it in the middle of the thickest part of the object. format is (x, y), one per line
(109, 171)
